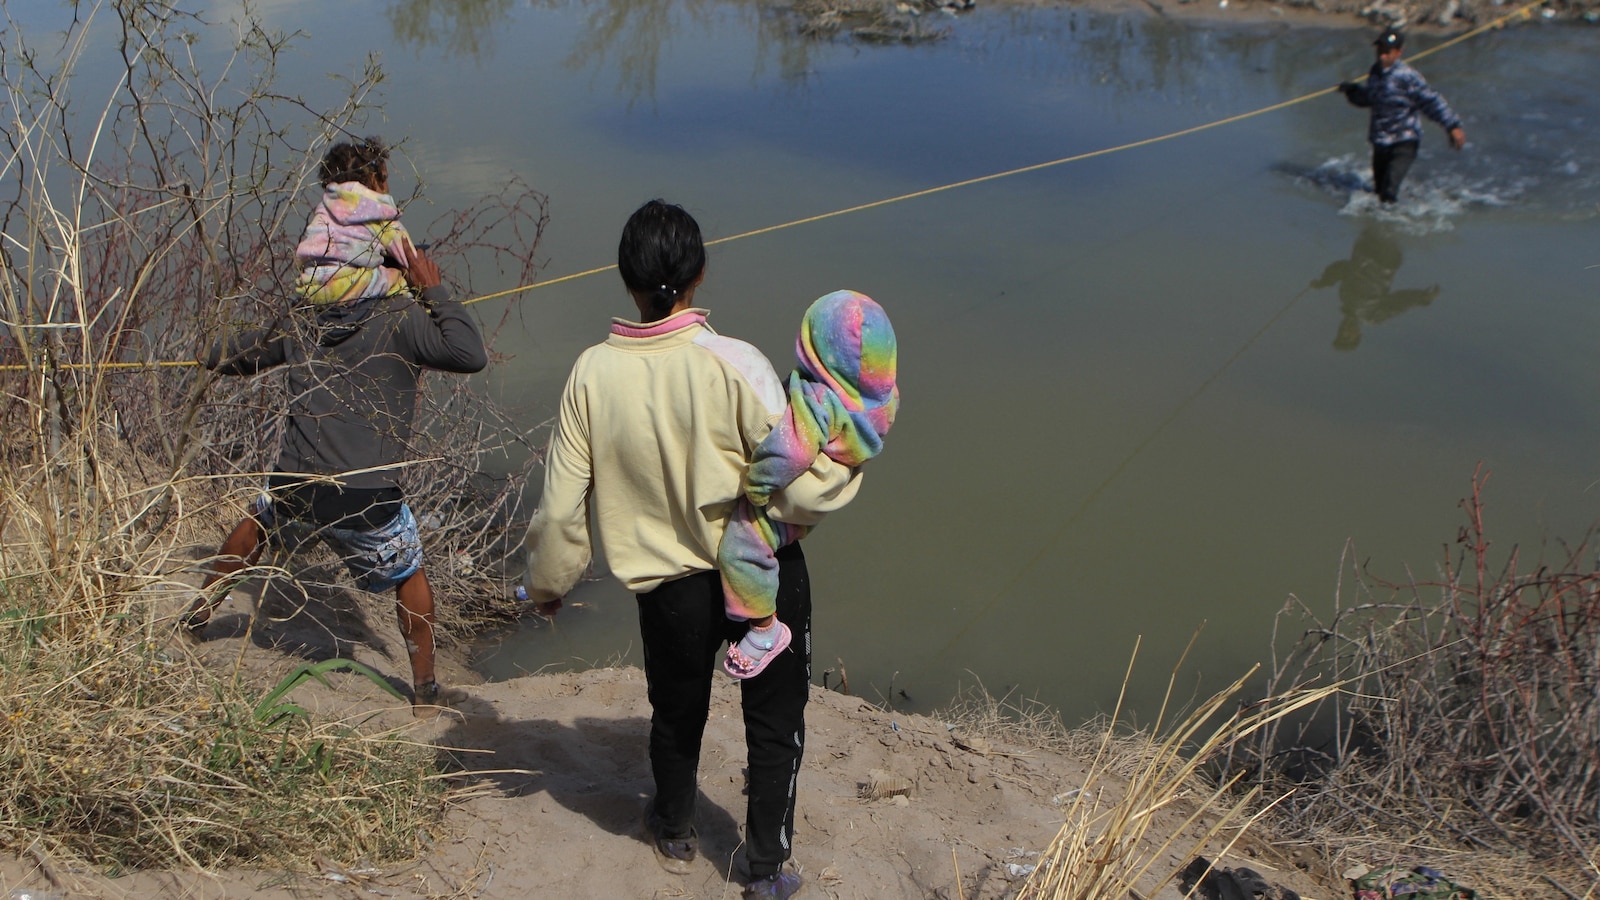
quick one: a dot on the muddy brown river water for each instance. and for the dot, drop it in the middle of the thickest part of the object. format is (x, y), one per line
(1142, 392)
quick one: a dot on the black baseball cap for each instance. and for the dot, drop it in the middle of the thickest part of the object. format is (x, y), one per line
(1390, 40)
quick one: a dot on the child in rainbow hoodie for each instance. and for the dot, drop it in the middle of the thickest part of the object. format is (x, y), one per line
(355, 232)
(842, 401)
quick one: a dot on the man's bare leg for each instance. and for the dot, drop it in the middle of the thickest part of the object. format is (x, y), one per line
(414, 606)
(241, 550)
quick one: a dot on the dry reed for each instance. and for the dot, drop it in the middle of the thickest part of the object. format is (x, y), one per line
(1110, 846)
(1148, 795)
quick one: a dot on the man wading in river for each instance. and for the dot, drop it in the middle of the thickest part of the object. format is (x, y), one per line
(1396, 93)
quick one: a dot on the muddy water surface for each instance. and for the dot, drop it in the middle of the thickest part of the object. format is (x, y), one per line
(1142, 392)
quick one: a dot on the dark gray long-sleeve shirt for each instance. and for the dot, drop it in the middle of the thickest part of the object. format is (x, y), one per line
(353, 373)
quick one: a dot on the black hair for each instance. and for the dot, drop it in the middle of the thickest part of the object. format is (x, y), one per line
(366, 161)
(661, 255)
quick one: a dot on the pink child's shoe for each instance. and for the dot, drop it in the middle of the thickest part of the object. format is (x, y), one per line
(746, 660)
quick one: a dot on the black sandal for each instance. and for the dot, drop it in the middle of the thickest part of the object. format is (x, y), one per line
(193, 625)
(675, 854)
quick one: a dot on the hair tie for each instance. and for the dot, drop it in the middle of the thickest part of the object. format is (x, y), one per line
(669, 291)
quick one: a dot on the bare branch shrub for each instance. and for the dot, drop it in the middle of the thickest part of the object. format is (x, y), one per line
(139, 219)
(1469, 724)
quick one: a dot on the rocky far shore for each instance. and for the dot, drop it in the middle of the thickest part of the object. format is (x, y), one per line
(923, 20)
(1427, 15)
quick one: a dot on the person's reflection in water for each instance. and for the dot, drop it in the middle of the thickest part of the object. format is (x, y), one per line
(1364, 280)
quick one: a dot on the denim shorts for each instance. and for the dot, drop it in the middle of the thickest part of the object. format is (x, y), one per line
(378, 558)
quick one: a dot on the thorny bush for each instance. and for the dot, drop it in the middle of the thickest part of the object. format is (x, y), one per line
(1470, 713)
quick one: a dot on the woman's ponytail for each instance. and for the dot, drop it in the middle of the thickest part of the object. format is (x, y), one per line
(661, 255)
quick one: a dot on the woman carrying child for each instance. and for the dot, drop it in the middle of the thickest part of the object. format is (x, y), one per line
(655, 428)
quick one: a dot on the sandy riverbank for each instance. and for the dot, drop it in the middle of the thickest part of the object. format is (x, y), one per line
(553, 773)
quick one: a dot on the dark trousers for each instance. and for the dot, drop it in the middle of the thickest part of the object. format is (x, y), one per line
(1389, 167)
(684, 629)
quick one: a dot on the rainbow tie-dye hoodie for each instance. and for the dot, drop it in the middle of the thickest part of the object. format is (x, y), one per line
(842, 401)
(342, 253)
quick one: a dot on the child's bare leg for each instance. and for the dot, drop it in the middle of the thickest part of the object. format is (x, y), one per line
(242, 549)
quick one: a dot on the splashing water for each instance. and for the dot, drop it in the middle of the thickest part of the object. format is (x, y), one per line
(1428, 204)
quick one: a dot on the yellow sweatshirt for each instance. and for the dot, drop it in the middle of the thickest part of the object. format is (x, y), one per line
(656, 426)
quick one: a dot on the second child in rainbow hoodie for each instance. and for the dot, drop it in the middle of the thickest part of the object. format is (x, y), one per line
(842, 401)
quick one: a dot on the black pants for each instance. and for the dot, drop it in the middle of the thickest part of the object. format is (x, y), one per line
(1389, 167)
(684, 629)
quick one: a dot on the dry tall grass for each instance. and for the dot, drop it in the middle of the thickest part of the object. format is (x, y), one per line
(1149, 795)
(1108, 850)
(137, 217)
(1468, 740)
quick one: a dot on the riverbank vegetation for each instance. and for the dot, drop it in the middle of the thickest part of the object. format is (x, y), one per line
(147, 207)
(1465, 734)
(1446, 722)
